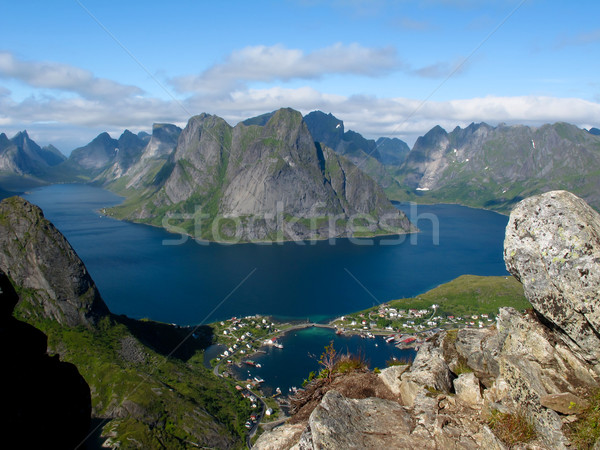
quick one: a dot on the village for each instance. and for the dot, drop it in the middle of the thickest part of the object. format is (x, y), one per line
(406, 327)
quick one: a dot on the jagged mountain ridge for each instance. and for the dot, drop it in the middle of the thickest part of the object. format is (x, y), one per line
(22, 156)
(495, 167)
(247, 172)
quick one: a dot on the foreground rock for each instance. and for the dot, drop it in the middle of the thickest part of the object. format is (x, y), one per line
(535, 367)
(553, 247)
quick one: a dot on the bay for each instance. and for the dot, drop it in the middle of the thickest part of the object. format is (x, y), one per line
(138, 275)
(287, 367)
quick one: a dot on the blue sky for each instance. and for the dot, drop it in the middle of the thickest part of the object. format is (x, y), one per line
(71, 69)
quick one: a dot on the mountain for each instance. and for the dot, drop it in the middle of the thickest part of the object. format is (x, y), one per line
(36, 256)
(161, 145)
(392, 151)
(260, 182)
(495, 167)
(105, 158)
(594, 131)
(21, 157)
(364, 153)
(141, 381)
(41, 393)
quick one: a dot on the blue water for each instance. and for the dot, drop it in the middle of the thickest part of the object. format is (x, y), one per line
(289, 366)
(191, 283)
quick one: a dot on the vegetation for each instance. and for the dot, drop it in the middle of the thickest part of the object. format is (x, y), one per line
(585, 432)
(168, 401)
(511, 428)
(470, 294)
(457, 303)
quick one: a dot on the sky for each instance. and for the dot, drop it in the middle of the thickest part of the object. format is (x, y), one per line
(70, 69)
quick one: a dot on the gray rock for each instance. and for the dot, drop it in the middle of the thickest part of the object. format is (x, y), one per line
(480, 347)
(280, 438)
(391, 377)
(533, 364)
(429, 369)
(564, 403)
(468, 389)
(339, 422)
(552, 246)
(36, 256)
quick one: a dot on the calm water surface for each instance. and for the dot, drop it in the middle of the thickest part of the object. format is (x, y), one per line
(191, 283)
(300, 354)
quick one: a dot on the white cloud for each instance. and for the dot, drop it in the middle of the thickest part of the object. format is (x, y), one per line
(81, 117)
(62, 77)
(272, 63)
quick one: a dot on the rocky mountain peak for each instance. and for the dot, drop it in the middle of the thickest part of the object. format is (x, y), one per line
(36, 256)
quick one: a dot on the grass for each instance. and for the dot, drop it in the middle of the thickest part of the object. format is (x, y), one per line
(585, 432)
(511, 428)
(470, 294)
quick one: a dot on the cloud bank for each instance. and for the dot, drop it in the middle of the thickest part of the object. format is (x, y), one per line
(101, 104)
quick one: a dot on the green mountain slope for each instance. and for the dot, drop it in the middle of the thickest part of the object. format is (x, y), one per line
(495, 167)
(147, 380)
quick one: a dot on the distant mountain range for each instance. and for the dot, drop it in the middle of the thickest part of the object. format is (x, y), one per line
(495, 167)
(171, 169)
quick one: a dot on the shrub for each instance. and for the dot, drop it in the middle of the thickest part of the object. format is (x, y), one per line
(511, 428)
(585, 432)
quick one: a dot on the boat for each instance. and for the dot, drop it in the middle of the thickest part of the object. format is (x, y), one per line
(250, 363)
(258, 365)
(278, 345)
(259, 380)
(389, 339)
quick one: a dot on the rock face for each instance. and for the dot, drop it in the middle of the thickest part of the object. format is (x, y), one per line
(553, 247)
(539, 365)
(265, 181)
(36, 256)
(43, 399)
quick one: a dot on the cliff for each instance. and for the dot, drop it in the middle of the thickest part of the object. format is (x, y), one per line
(142, 381)
(37, 257)
(40, 393)
(530, 381)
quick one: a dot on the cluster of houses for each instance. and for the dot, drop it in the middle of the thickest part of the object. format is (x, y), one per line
(232, 333)
(387, 318)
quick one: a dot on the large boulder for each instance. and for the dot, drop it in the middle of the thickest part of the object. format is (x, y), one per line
(552, 246)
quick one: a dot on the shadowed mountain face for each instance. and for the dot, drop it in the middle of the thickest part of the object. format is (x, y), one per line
(43, 400)
(46, 400)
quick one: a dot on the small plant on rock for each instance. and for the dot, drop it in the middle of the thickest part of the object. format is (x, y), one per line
(511, 428)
